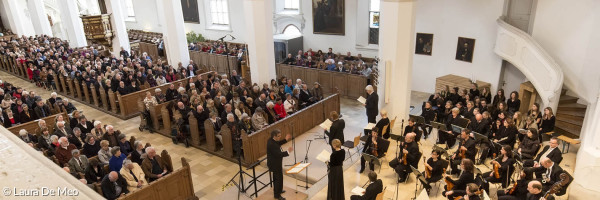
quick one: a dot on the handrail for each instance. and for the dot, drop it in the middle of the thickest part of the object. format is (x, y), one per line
(520, 49)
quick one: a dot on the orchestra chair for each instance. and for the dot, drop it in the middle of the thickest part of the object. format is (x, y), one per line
(373, 159)
(438, 184)
(386, 147)
(380, 195)
(352, 145)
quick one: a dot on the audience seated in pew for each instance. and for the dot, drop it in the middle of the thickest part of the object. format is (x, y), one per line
(133, 175)
(153, 165)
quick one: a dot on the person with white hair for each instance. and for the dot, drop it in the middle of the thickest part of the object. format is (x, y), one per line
(62, 130)
(133, 175)
(111, 136)
(78, 163)
(159, 96)
(27, 137)
(52, 98)
(63, 152)
(371, 104)
(113, 186)
(138, 151)
(153, 165)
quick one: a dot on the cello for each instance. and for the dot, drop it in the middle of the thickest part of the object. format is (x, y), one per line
(564, 180)
(449, 184)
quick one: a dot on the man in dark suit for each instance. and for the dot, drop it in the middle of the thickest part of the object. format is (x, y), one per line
(549, 173)
(41, 110)
(113, 186)
(274, 159)
(372, 104)
(551, 151)
(375, 187)
(479, 125)
(373, 144)
(466, 144)
(62, 130)
(305, 97)
(411, 149)
(336, 131)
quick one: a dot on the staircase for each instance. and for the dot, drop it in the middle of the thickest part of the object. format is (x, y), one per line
(569, 116)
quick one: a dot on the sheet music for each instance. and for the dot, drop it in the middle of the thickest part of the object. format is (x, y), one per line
(358, 190)
(370, 126)
(326, 124)
(298, 168)
(324, 156)
(362, 100)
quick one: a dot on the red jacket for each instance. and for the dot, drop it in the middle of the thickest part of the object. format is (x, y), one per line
(280, 110)
(64, 155)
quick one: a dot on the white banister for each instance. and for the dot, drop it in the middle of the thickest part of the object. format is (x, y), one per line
(520, 49)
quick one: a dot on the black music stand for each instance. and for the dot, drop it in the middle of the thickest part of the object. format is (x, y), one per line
(439, 126)
(398, 138)
(443, 151)
(372, 159)
(417, 119)
(419, 176)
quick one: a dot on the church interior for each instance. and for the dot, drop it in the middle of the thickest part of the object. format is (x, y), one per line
(299, 99)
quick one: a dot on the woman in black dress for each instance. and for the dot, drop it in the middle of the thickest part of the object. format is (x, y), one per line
(335, 189)
(436, 166)
(506, 161)
(548, 121)
(513, 103)
(381, 123)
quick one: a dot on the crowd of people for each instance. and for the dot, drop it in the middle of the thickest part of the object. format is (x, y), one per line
(85, 149)
(332, 62)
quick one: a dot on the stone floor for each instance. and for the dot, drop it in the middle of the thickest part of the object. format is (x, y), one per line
(211, 173)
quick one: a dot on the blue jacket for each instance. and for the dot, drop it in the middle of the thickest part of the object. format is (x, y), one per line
(115, 163)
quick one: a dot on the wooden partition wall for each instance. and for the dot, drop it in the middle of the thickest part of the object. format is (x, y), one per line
(214, 62)
(151, 49)
(255, 145)
(176, 185)
(32, 126)
(349, 85)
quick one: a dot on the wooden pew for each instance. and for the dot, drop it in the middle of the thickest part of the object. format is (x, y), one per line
(94, 95)
(194, 132)
(166, 118)
(86, 92)
(348, 85)
(78, 90)
(156, 114)
(32, 126)
(209, 131)
(64, 85)
(57, 83)
(104, 99)
(71, 88)
(227, 143)
(112, 100)
(175, 185)
(298, 123)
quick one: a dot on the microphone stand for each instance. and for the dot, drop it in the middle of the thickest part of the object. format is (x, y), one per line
(306, 161)
(397, 151)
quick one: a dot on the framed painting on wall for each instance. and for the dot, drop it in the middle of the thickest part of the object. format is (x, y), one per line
(190, 11)
(329, 17)
(424, 44)
(464, 49)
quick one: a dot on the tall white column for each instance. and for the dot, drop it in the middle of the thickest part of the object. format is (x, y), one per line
(396, 47)
(69, 14)
(174, 32)
(39, 18)
(121, 39)
(16, 20)
(587, 166)
(258, 17)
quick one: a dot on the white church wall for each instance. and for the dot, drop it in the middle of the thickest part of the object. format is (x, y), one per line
(570, 33)
(448, 20)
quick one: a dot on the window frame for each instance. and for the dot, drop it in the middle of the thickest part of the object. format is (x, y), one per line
(292, 3)
(209, 16)
(129, 18)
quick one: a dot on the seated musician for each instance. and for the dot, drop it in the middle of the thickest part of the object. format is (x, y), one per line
(381, 123)
(529, 145)
(551, 151)
(375, 187)
(505, 169)
(479, 125)
(412, 128)
(466, 176)
(449, 137)
(410, 149)
(435, 166)
(506, 134)
(535, 191)
(372, 147)
(518, 191)
(466, 149)
(548, 173)
(429, 115)
(472, 192)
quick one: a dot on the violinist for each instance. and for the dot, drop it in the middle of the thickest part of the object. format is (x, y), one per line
(374, 147)
(466, 149)
(409, 156)
(471, 193)
(535, 191)
(466, 176)
(412, 128)
(517, 191)
(434, 169)
(502, 168)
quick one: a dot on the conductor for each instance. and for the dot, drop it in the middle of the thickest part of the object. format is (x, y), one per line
(274, 159)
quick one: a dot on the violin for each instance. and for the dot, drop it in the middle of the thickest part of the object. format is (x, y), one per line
(496, 167)
(512, 190)
(374, 150)
(404, 156)
(427, 170)
(449, 184)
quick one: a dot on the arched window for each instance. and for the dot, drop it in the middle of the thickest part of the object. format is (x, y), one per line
(291, 30)
(130, 12)
(219, 12)
(291, 5)
(374, 21)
